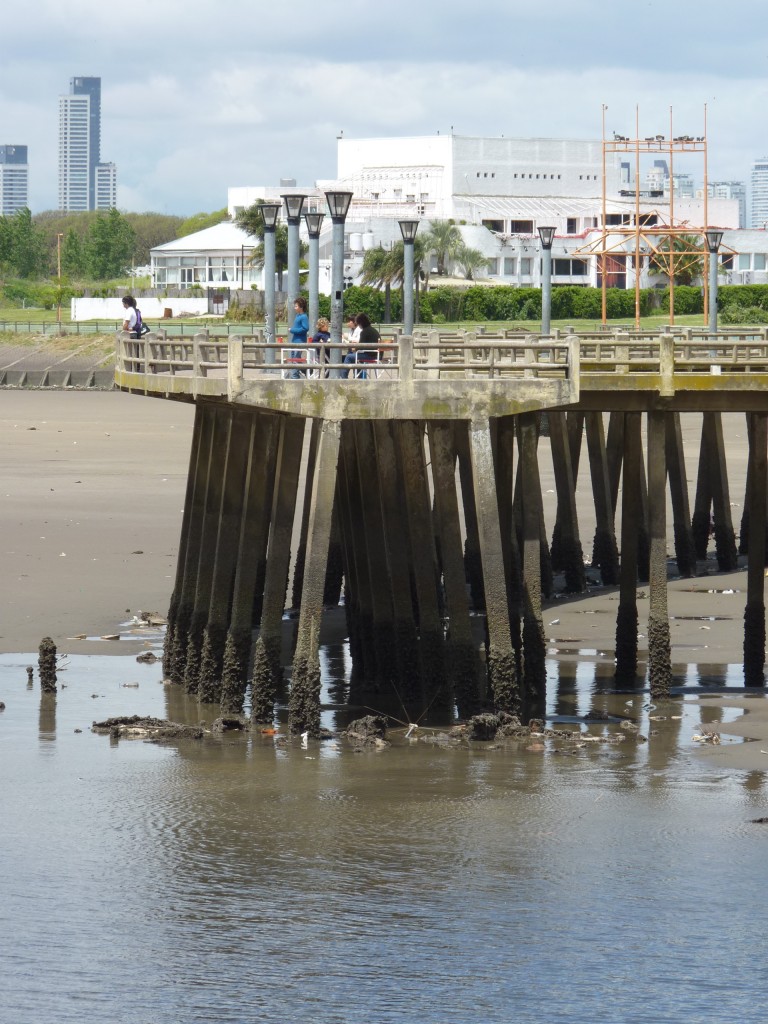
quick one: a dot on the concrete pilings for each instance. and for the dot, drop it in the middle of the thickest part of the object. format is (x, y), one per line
(429, 523)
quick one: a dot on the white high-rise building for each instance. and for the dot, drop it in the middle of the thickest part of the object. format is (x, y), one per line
(83, 182)
(14, 179)
(760, 193)
(106, 186)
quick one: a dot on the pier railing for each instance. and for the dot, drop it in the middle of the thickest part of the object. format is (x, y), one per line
(404, 358)
(665, 362)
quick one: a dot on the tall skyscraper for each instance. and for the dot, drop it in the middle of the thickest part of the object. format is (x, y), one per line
(760, 193)
(84, 182)
(14, 179)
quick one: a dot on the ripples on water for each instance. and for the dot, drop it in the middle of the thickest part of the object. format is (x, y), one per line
(232, 880)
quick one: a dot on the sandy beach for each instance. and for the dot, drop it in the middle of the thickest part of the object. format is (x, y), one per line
(93, 486)
(93, 489)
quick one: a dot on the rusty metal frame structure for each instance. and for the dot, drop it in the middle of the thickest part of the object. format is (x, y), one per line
(670, 245)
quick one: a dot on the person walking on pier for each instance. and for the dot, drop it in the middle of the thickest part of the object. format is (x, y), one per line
(300, 330)
(129, 305)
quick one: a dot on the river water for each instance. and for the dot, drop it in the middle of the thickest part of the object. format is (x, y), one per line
(246, 879)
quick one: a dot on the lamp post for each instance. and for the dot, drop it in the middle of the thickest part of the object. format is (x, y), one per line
(269, 214)
(714, 238)
(314, 222)
(547, 236)
(59, 236)
(408, 229)
(293, 206)
(338, 207)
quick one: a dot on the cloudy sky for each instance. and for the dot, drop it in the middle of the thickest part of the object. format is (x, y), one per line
(197, 96)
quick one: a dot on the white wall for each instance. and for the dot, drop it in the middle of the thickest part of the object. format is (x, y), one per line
(151, 309)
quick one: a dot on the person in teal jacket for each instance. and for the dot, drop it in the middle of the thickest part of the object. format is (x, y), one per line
(300, 330)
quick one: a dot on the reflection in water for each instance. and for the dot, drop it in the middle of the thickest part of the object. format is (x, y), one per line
(242, 879)
(47, 718)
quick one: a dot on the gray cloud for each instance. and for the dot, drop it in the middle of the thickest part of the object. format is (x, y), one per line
(193, 103)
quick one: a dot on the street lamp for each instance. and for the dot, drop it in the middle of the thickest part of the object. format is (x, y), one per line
(547, 236)
(314, 222)
(338, 207)
(59, 236)
(714, 237)
(408, 229)
(269, 214)
(293, 206)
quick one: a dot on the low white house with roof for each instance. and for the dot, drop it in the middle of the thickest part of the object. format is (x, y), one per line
(216, 257)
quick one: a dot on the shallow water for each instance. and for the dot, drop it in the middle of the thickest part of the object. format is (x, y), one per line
(236, 879)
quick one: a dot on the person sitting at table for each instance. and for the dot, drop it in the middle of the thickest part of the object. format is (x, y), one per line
(363, 352)
(321, 336)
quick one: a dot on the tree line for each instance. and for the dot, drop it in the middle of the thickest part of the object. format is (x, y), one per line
(95, 245)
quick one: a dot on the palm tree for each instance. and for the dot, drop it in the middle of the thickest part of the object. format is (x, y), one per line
(443, 239)
(377, 272)
(250, 221)
(470, 260)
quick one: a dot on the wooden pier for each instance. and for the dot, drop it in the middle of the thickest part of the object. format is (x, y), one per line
(415, 492)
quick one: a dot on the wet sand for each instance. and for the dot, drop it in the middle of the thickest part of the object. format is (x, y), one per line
(93, 489)
(93, 486)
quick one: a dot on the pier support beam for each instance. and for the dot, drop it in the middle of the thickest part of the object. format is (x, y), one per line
(358, 602)
(252, 542)
(189, 555)
(472, 559)
(169, 670)
(571, 557)
(534, 643)
(754, 613)
(298, 568)
(238, 435)
(605, 553)
(461, 656)
(502, 671)
(398, 563)
(626, 619)
(659, 650)
(685, 550)
(208, 533)
(436, 684)
(304, 701)
(267, 666)
(503, 432)
(373, 536)
(725, 538)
